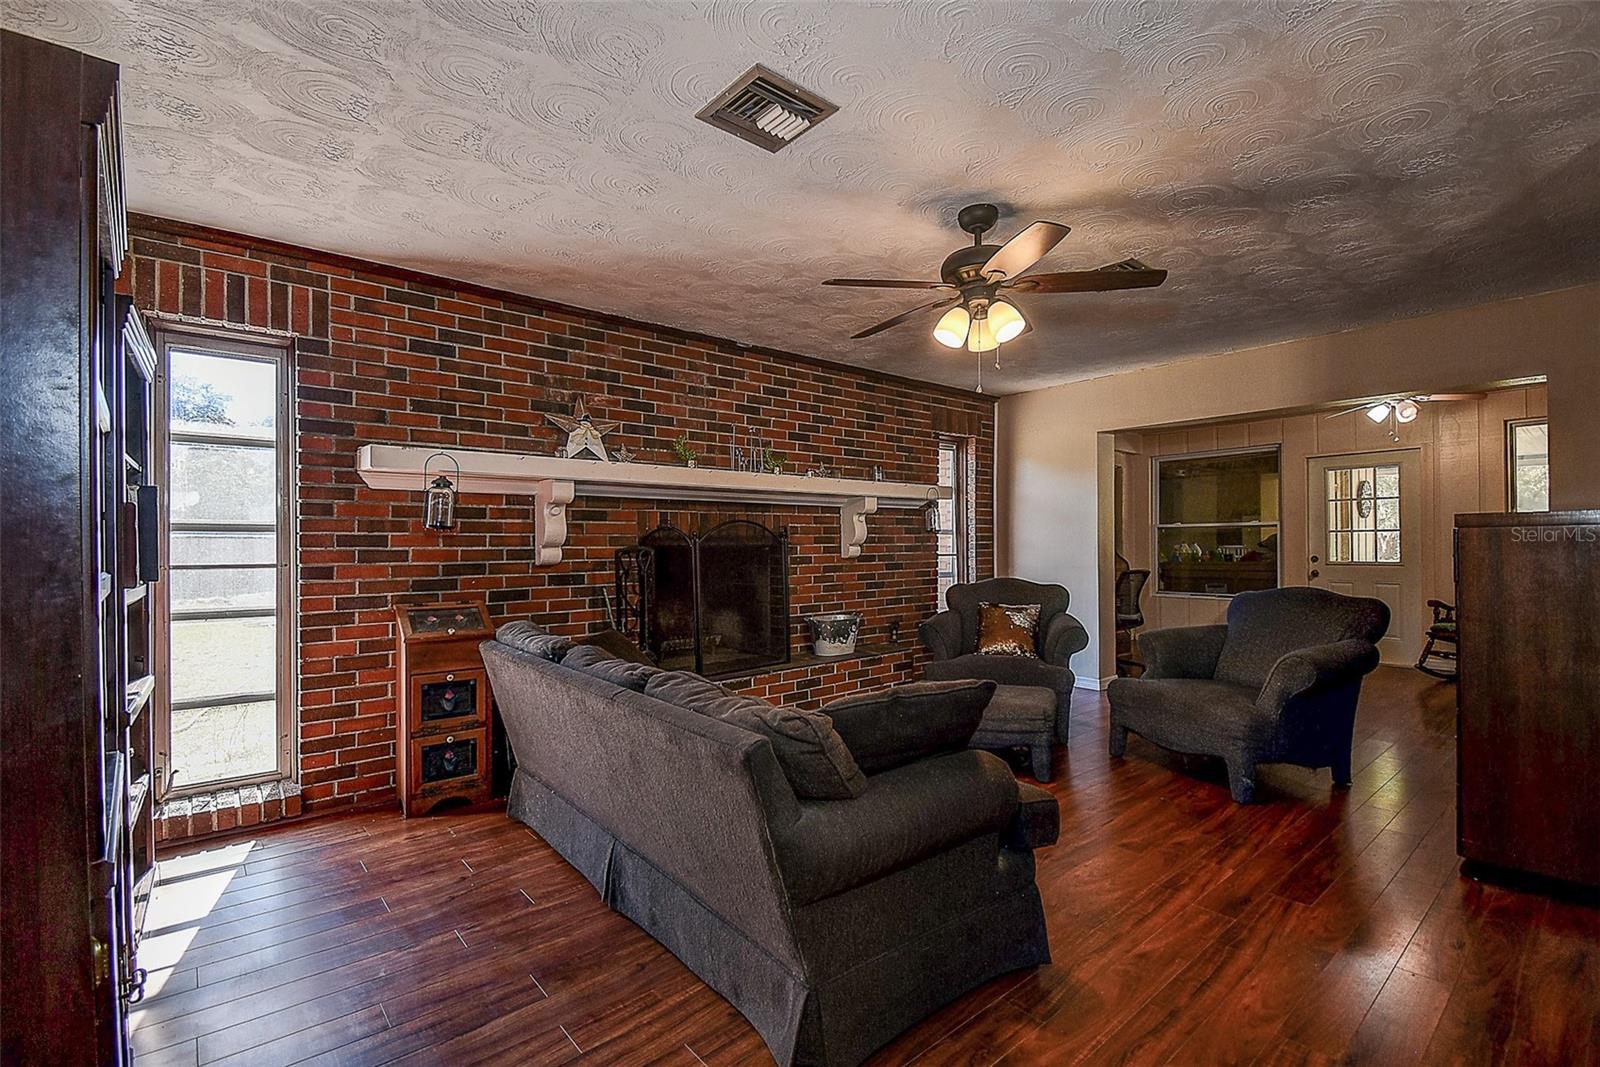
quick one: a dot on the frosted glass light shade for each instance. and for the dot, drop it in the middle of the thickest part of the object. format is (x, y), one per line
(1378, 412)
(1005, 321)
(1406, 411)
(951, 330)
(980, 338)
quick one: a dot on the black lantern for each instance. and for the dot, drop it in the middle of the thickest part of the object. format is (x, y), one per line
(440, 511)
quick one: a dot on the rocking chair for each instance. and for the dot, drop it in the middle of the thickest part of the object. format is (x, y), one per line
(1441, 662)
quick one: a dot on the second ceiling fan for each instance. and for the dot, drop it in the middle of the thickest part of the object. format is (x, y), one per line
(982, 312)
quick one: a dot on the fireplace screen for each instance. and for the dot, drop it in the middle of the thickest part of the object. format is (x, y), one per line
(716, 603)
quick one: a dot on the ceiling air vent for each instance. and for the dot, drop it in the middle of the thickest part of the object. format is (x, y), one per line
(765, 109)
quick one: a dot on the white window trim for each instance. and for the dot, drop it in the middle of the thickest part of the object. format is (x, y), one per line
(964, 508)
(279, 350)
(1511, 460)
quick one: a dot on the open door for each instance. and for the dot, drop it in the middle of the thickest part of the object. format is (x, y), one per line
(1365, 527)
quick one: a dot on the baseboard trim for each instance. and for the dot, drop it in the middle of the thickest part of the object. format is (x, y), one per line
(1094, 685)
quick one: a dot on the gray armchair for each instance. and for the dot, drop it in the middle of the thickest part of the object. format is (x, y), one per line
(952, 637)
(1278, 684)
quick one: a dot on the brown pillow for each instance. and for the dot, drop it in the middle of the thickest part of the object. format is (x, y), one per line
(1008, 630)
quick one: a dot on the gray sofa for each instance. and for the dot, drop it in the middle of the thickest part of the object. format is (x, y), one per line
(1278, 684)
(832, 925)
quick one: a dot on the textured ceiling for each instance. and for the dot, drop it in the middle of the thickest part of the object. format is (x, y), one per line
(1299, 166)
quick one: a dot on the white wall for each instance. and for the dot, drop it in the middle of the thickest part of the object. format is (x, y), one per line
(1054, 450)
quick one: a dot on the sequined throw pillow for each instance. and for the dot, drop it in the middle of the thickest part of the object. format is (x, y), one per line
(1008, 629)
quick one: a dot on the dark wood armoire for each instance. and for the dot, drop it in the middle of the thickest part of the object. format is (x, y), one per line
(1528, 732)
(78, 552)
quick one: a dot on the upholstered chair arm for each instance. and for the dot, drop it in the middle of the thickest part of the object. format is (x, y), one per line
(1182, 651)
(1064, 636)
(1318, 667)
(941, 635)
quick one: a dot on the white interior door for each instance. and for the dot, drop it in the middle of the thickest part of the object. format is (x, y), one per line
(1365, 527)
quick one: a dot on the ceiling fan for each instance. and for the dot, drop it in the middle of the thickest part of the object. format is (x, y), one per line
(982, 313)
(1399, 410)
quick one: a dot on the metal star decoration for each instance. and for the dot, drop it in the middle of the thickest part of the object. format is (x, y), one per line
(584, 432)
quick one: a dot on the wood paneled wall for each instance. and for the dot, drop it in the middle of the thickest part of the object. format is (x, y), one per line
(1463, 449)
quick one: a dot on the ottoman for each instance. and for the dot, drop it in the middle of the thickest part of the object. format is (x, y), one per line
(1020, 716)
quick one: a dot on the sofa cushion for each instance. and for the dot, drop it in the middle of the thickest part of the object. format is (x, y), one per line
(905, 816)
(598, 663)
(618, 644)
(528, 637)
(1191, 715)
(1263, 626)
(1008, 630)
(885, 728)
(813, 756)
(1020, 709)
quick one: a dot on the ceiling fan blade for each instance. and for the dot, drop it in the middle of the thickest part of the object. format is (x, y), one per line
(902, 317)
(1024, 250)
(1452, 396)
(1128, 274)
(1352, 410)
(886, 283)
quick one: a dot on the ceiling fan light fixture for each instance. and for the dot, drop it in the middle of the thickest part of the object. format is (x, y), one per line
(1406, 411)
(1378, 412)
(1005, 321)
(981, 337)
(951, 330)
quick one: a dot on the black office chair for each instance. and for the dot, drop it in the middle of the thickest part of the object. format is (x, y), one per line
(1130, 616)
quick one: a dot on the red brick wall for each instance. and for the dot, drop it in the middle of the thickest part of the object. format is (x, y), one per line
(385, 355)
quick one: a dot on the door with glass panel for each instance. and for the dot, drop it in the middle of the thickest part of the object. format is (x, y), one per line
(1365, 527)
(228, 713)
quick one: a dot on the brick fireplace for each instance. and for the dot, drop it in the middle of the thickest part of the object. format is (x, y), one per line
(392, 356)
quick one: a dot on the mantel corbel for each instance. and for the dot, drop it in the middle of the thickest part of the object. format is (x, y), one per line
(853, 524)
(550, 499)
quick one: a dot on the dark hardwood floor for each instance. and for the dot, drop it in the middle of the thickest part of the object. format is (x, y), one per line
(1314, 927)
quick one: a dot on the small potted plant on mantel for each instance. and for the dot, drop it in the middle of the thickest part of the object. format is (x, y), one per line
(685, 451)
(772, 459)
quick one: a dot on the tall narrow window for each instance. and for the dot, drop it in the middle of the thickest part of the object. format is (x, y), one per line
(1528, 464)
(229, 595)
(956, 515)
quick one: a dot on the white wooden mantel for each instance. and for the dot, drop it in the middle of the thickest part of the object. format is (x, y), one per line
(555, 483)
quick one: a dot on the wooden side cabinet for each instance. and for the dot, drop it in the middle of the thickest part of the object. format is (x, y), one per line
(444, 710)
(1528, 744)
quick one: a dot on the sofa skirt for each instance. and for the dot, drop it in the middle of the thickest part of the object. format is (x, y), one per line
(823, 1020)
